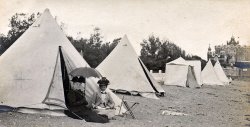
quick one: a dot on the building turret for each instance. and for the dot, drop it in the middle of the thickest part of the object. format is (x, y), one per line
(209, 53)
(232, 42)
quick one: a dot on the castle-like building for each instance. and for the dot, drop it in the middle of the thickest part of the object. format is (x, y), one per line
(230, 53)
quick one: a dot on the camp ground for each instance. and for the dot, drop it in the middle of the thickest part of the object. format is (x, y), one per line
(38, 80)
(124, 64)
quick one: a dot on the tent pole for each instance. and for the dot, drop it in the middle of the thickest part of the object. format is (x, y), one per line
(121, 104)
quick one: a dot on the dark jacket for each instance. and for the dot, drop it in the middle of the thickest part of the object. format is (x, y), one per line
(76, 100)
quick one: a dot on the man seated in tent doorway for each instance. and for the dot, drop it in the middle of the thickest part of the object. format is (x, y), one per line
(103, 103)
(78, 83)
(77, 103)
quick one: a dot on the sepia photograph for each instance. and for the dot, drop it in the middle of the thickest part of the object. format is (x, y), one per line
(125, 63)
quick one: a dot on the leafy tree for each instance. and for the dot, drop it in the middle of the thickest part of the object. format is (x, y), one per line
(151, 46)
(3, 40)
(19, 23)
(149, 51)
(94, 49)
(156, 53)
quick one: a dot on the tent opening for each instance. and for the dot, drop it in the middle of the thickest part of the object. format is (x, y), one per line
(65, 76)
(148, 77)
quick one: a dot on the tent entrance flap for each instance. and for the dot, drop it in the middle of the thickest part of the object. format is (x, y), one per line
(191, 80)
(156, 86)
(59, 84)
(65, 76)
(147, 76)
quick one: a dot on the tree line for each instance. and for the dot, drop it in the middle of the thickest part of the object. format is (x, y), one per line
(18, 24)
(155, 53)
(93, 49)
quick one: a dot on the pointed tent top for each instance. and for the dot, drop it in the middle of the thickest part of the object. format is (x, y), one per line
(220, 73)
(217, 62)
(46, 10)
(45, 18)
(179, 60)
(209, 62)
(209, 76)
(125, 37)
(132, 70)
(44, 34)
(125, 40)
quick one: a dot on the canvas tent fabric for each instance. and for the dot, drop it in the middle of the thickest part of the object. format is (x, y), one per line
(28, 65)
(179, 60)
(156, 86)
(33, 72)
(180, 75)
(126, 73)
(209, 76)
(92, 87)
(54, 102)
(196, 64)
(220, 73)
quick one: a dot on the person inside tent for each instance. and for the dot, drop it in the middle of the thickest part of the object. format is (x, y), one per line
(103, 103)
(77, 104)
(78, 83)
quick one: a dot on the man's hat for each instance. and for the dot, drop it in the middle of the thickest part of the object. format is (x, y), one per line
(103, 81)
(81, 79)
(75, 79)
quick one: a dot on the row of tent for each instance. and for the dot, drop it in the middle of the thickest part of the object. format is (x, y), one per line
(187, 73)
(34, 71)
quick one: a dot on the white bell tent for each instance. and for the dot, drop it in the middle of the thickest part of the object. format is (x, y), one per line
(34, 71)
(127, 73)
(196, 65)
(220, 73)
(209, 76)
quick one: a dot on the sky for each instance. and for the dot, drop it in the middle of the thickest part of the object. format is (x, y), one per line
(191, 24)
